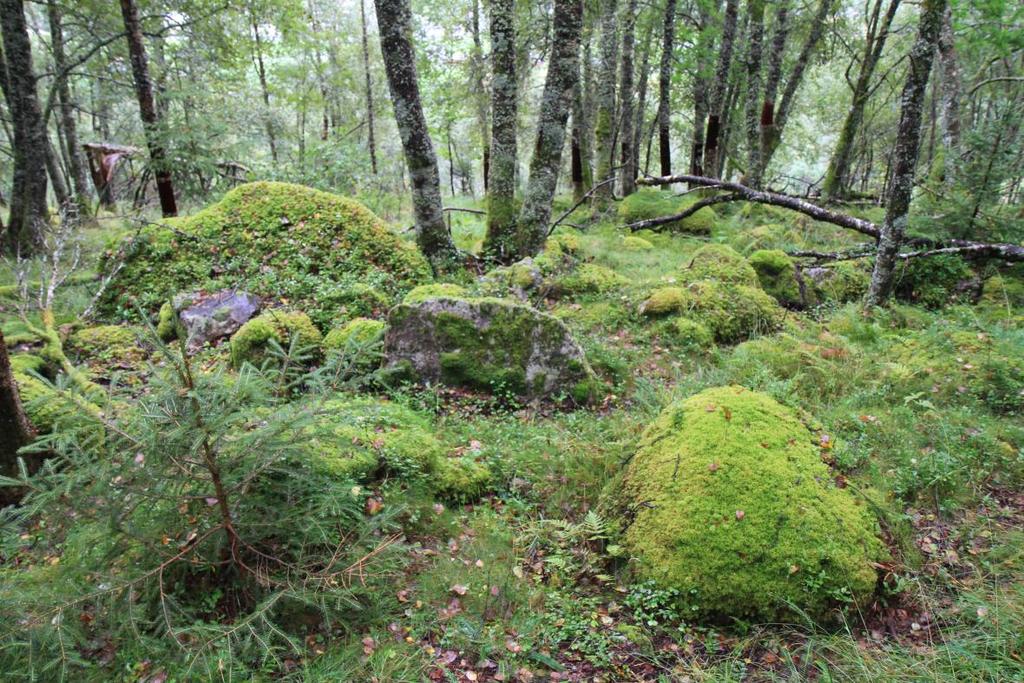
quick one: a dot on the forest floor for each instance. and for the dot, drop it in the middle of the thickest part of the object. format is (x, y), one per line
(925, 407)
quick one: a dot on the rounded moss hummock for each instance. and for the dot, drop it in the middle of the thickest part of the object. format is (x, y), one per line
(309, 249)
(735, 509)
(433, 291)
(687, 334)
(356, 332)
(731, 312)
(249, 344)
(777, 274)
(646, 204)
(722, 263)
(589, 278)
(840, 282)
(663, 301)
(634, 243)
(109, 343)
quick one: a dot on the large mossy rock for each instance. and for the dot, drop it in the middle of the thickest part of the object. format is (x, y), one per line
(732, 505)
(487, 344)
(311, 250)
(646, 204)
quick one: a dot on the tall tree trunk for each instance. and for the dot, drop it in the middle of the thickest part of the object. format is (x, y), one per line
(60, 187)
(501, 195)
(371, 142)
(665, 88)
(755, 37)
(15, 429)
(836, 177)
(394, 22)
(261, 73)
(641, 101)
(480, 92)
(950, 100)
(796, 76)
(28, 194)
(699, 91)
(713, 157)
(604, 126)
(66, 109)
(147, 108)
(908, 139)
(563, 70)
(776, 53)
(581, 170)
(627, 172)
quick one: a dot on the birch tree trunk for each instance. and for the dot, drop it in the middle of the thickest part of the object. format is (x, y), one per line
(950, 95)
(28, 193)
(499, 243)
(665, 89)
(755, 37)
(776, 53)
(604, 126)
(563, 70)
(480, 94)
(837, 175)
(641, 99)
(371, 141)
(394, 22)
(261, 73)
(701, 84)
(908, 138)
(147, 107)
(66, 109)
(627, 163)
(716, 105)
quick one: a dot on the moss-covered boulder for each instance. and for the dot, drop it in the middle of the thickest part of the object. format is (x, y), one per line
(634, 243)
(588, 278)
(358, 342)
(52, 410)
(366, 440)
(649, 203)
(252, 340)
(432, 291)
(488, 344)
(778, 277)
(686, 334)
(731, 504)
(720, 263)
(840, 282)
(281, 242)
(731, 312)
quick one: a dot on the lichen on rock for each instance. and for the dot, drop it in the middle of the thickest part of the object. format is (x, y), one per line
(727, 500)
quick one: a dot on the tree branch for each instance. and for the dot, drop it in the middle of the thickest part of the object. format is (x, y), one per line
(685, 213)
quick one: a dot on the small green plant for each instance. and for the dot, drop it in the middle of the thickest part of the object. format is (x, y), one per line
(651, 605)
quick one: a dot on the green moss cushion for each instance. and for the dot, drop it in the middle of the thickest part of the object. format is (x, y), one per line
(777, 274)
(734, 508)
(286, 243)
(720, 263)
(252, 340)
(649, 203)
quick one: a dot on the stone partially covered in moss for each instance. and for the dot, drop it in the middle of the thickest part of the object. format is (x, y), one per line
(281, 242)
(648, 203)
(840, 282)
(251, 342)
(486, 344)
(366, 440)
(769, 236)
(731, 505)
(588, 278)
(777, 274)
(358, 341)
(109, 350)
(721, 263)
(433, 291)
(687, 334)
(730, 312)
(567, 242)
(521, 279)
(633, 243)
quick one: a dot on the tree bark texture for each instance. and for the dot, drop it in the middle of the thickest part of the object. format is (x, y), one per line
(604, 126)
(66, 109)
(28, 193)
(837, 175)
(755, 38)
(641, 99)
(501, 187)
(394, 22)
(480, 93)
(371, 141)
(627, 162)
(15, 429)
(581, 169)
(699, 92)
(908, 138)
(563, 70)
(147, 107)
(950, 100)
(261, 73)
(776, 53)
(665, 89)
(716, 104)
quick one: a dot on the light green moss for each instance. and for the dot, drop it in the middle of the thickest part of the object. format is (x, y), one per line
(462, 478)
(167, 322)
(687, 334)
(109, 343)
(358, 340)
(301, 247)
(589, 278)
(663, 301)
(933, 282)
(634, 243)
(433, 291)
(845, 281)
(565, 242)
(648, 203)
(722, 263)
(250, 342)
(50, 410)
(777, 274)
(734, 508)
(26, 362)
(731, 312)
(769, 236)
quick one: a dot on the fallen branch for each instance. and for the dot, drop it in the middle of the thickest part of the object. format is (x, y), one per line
(579, 202)
(685, 213)
(456, 208)
(749, 194)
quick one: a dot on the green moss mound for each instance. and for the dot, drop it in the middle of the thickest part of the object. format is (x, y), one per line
(358, 331)
(721, 263)
(768, 236)
(647, 203)
(251, 342)
(686, 334)
(433, 291)
(367, 440)
(305, 248)
(777, 274)
(634, 243)
(663, 301)
(731, 312)
(109, 343)
(739, 513)
(167, 322)
(841, 282)
(589, 278)
(935, 281)
(51, 410)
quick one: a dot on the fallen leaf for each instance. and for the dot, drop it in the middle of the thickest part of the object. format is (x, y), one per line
(459, 589)
(740, 514)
